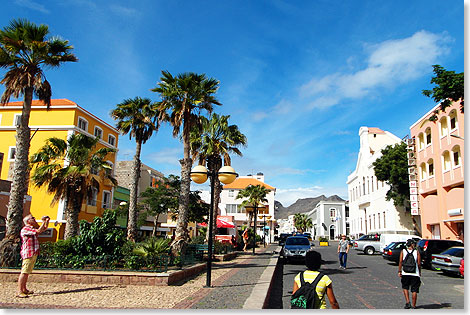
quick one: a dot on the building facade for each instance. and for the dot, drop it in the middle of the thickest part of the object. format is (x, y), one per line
(329, 219)
(369, 211)
(149, 177)
(231, 206)
(61, 120)
(440, 167)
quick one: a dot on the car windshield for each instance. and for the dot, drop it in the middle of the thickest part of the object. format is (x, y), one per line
(398, 245)
(458, 252)
(297, 241)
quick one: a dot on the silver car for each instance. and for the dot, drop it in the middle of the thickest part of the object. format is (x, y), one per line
(449, 260)
(295, 248)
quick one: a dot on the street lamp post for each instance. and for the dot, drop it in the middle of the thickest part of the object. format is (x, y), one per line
(199, 175)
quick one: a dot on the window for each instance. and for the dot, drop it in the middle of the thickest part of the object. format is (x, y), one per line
(422, 172)
(421, 141)
(231, 193)
(233, 208)
(428, 137)
(99, 132)
(446, 161)
(106, 199)
(372, 183)
(431, 167)
(364, 185)
(378, 217)
(11, 154)
(17, 120)
(82, 124)
(373, 219)
(112, 140)
(444, 129)
(332, 213)
(456, 156)
(111, 171)
(384, 221)
(92, 199)
(94, 171)
(453, 119)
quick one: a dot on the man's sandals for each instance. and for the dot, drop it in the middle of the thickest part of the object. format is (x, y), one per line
(23, 295)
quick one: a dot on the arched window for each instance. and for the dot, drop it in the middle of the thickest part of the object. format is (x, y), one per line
(431, 167)
(453, 120)
(422, 171)
(446, 163)
(456, 160)
(428, 137)
(444, 129)
(421, 141)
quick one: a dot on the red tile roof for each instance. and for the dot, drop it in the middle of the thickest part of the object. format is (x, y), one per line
(55, 102)
(242, 183)
(375, 130)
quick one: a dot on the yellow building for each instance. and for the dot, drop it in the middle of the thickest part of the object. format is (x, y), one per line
(63, 118)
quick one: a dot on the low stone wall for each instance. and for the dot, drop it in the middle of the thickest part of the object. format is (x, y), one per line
(106, 277)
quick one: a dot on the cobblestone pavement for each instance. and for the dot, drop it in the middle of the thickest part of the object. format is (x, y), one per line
(89, 296)
(232, 290)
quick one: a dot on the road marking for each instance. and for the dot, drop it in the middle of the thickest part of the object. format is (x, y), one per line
(364, 302)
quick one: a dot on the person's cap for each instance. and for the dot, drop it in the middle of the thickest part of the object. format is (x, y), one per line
(410, 242)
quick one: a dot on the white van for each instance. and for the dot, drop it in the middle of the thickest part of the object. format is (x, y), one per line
(386, 239)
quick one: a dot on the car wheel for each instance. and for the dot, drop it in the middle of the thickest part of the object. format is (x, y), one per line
(369, 250)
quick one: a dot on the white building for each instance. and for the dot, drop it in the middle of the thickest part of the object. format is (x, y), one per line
(369, 211)
(286, 225)
(329, 219)
(229, 205)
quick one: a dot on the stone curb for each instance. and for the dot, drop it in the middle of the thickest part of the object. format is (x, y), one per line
(259, 297)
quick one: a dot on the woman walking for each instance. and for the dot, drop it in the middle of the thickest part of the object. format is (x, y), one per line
(343, 249)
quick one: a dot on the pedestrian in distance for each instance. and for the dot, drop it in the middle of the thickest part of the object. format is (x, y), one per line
(324, 285)
(409, 269)
(343, 249)
(245, 239)
(29, 250)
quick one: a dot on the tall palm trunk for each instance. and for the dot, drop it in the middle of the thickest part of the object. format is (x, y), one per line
(181, 233)
(19, 187)
(132, 221)
(73, 207)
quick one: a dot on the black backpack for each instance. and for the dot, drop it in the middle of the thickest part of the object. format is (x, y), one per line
(409, 263)
(306, 296)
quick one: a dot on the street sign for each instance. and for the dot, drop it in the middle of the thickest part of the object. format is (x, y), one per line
(414, 211)
(413, 183)
(414, 204)
(413, 191)
(413, 197)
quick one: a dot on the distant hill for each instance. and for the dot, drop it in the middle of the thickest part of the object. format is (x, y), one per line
(300, 206)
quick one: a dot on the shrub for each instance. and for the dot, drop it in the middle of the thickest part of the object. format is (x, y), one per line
(323, 239)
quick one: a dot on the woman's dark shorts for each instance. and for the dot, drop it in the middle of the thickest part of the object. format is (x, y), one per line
(410, 281)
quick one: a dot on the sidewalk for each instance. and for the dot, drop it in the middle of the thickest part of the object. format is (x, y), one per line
(240, 283)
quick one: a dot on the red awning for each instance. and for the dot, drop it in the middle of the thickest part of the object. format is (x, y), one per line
(221, 223)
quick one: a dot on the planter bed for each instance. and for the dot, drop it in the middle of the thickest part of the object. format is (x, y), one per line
(106, 277)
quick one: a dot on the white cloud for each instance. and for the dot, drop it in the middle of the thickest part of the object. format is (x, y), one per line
(166, 156)
(120, 10)
(390, 63)
(32, 5)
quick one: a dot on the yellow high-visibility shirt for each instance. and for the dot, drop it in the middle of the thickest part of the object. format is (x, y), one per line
(309, 276)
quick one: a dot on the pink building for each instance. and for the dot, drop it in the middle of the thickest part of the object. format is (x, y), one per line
(440, 165)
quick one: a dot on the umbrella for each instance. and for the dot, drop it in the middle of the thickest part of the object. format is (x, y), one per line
(221, 223)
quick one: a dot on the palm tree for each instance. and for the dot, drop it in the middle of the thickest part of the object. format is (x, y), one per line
(302, 222)
(139, 118)
(184, 97)
(256, 195)
(68, 169)
(214, 142)
(24, 49)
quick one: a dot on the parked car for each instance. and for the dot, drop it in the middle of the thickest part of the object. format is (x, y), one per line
(307, 235)
(295, 248)
(369, 244)
(392, 251)
(283, 237)
(449, 260)
(386, 239)
(428, 247)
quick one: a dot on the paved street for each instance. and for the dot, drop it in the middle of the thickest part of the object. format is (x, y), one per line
(371, 282)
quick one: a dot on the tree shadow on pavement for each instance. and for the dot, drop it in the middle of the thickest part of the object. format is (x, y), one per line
(435, 306)
(76, 290)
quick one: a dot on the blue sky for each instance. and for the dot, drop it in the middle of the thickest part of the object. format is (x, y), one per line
(299, 78)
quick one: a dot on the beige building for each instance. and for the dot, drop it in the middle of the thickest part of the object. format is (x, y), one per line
(149, 177)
